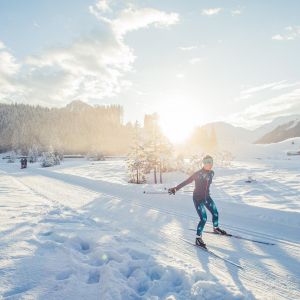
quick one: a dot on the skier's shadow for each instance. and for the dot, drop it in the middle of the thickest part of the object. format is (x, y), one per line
(207, 262)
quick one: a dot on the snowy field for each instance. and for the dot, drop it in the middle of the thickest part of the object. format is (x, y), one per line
(79, 231)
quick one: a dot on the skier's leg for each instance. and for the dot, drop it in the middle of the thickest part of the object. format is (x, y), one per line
(200, 208)
(211, 206)
(203, 217)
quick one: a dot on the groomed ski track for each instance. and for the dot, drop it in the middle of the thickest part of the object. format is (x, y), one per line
(53, 201)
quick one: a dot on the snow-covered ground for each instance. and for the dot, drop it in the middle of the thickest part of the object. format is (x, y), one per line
(273, 151)
(79, 231)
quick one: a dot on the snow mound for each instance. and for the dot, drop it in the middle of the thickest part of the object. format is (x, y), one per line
(273, 151)
(72, 257)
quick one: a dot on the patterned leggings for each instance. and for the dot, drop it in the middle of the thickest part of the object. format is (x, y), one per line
(200, 207)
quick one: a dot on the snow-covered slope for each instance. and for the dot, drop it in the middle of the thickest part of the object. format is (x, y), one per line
(227, 133)
(265, 129)
(282, 132)
(236, 139)
(79, 231)
(271, 151)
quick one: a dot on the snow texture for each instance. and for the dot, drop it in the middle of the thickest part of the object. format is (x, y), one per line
(80, 231)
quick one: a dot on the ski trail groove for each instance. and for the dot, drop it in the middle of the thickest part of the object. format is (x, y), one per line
(254, 276)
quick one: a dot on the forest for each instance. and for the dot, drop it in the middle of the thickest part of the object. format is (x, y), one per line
(49, 134)
(79, 128)
(75, 128)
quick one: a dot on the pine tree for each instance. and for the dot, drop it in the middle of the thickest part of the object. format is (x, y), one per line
(151, 148)
(47, 160)
(136, 158)
(73, 128)
(50, 158)
(12, 157)
(158, 150)
(195, 163)
(33, 154)
(180, 163)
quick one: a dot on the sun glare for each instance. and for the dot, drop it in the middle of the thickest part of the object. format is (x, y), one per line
(177, 124)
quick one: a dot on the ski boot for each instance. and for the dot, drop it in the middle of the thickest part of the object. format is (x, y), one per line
(199, 242)
(217, 230)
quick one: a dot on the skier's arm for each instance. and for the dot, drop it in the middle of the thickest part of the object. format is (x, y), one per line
(186, 182)
(211, 178)
(181, 185)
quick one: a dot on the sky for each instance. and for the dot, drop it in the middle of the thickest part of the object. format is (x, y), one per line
(193, 62)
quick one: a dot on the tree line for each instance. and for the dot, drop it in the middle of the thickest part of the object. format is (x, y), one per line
(150, 151)
(76, 128)
(79, 128)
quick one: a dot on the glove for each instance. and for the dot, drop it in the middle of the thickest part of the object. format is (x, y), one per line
(172, 191)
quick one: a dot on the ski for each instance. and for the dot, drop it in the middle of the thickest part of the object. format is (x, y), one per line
(238, 237)
(213, 254)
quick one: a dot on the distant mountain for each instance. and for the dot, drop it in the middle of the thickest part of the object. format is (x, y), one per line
(269, 127)
(228, 134)
(236, 139)
(77, 105)
(221, 136)
(282, 132)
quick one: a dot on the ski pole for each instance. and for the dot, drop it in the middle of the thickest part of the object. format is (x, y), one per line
(158, 193)
(162, 193)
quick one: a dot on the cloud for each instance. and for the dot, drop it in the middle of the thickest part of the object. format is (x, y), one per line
(132, 19)
(9, 66)
(2, 46)
(100, 9)
(278, 37)
(291, 33)
(196, 60)
(180, 75)
(188, 48)
(90, 68)
(285, 85)
(103, 6)
(236, 12)
(250, 91)
(9, 69)
(284, 104)
(278, 99)
(211, 11)
(36, 24)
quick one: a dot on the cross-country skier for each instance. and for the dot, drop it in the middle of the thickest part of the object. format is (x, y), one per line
(201, 198)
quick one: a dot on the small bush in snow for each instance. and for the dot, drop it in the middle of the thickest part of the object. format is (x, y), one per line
(49, 159)
(12, 157)
(135, 171)
(224, 158)
(194, 163)
(95, 156)
(33, 154)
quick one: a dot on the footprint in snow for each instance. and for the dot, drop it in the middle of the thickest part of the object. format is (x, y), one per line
(46, 233)
(94, 277)
(17, 290)
(63, 275)
(84, 246)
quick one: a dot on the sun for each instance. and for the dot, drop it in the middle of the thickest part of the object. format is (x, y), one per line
(177, 123)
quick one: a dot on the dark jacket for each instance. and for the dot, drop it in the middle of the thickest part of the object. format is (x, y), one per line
(202, 180)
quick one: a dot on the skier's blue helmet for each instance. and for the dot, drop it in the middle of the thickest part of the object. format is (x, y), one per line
(207, 159)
